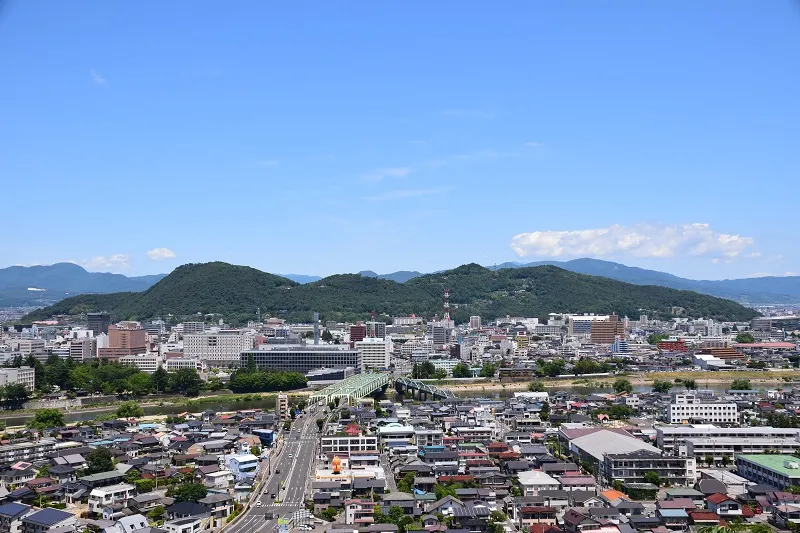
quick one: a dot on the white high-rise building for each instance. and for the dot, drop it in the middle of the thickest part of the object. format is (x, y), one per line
(688, 408)
(375, 352)
(25, 375)
(219, 349)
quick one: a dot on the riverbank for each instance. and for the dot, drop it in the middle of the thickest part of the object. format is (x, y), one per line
(702, 379)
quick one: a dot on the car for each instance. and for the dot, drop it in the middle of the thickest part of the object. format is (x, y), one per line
(304, 527)
(258, 503)
(272, 495)
(277, 471)
(291, 455)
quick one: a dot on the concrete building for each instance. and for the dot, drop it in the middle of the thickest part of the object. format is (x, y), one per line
(347, 444)
(99, 322)
(173, 364)
(580, 324)
(24, 375)
(28, 346)
(376, 329)
(193, 328)
(303, 358)
(83, 349)
(358, 332)
(412, 320)
(607, 331)
(145, 362)
(128, 339)
(282, 407)
(688, 408)
(780, 471)
(221, 349)
(631, 467)
(438, 332)
(474, 322)
(375, 351)
(26, 451)
(717, 448)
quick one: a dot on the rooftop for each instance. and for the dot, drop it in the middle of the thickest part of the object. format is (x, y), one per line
(775, 463)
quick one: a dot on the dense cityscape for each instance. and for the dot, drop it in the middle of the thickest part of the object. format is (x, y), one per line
(563, 423)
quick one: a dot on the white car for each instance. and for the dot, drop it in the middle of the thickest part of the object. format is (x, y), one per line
(258, 503)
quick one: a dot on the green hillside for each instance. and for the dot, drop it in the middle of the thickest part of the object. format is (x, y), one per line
(235, 292)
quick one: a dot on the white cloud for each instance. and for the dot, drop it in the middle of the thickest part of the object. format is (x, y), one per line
(533, 144)
(393, 172)
(97, 77)
(112, 262)
(638, 240)
(159, 254)
(771, 274)
(404, 193)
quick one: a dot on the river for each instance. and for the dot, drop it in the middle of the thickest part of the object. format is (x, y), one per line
(268, 403)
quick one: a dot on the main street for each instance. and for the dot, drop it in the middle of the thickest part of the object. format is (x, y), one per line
(289, 476)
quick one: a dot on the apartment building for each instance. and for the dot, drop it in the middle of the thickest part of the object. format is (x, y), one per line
(474, 322)
(193, 328)
(222, 349)
(375, 351)
(282, 407)
(428, 437)
(672, 439)
(412, 320)
(688, 408)
(103, 496)
(631, 467)
(416, 345)
(24, 375)
(28, 346)
(348, 444)
(717, 448)
(303, 358)
(26, 451)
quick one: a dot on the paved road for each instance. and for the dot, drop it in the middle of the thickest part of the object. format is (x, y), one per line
(293, 465)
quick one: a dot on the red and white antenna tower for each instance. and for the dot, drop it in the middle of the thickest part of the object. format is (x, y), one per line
(446, 305)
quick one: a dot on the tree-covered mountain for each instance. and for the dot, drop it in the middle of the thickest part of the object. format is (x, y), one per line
(236, 292)
(43, 284)
(752, 291)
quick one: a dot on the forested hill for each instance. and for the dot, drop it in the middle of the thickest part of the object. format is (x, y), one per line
(235, 292)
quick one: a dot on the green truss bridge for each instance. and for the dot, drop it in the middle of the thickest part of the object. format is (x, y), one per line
(422, 390)
(352, 388)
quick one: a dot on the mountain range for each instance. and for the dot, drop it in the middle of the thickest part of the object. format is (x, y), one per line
(22, 286)
(237, 293)
(749, 291)
(45, 285)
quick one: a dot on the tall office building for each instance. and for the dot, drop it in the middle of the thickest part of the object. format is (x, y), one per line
(607, 331)
(376, 329)
(98, 322)
(438, 332)
(375, 352)
(282, 407)
(124, 341)
(358, 332)
(83, 349)
(474, 322)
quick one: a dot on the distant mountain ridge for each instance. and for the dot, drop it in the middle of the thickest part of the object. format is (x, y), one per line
(46, 284)
(236, 292)
(751, 291)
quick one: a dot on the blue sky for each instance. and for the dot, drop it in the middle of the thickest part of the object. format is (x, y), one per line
(310, 138)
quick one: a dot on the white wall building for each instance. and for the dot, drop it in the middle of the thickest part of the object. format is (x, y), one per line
(375, 352)
(25, 375)
(145, 362)
(173, 364)
(218, 349)
(103, 496)
(685, 408)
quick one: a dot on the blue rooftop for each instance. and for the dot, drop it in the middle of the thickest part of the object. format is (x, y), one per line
(673, 513)
(13, 509)
(48, 516)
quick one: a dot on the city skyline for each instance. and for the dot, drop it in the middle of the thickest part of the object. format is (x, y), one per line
(429, 135)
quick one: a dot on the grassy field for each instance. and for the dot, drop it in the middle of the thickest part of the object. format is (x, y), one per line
(722, 377)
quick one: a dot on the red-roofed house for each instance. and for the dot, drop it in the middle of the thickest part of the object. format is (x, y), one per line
(724, 505)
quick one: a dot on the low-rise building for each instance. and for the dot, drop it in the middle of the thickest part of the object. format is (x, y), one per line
(688, 408)
(103, 496)
(48, 519)
(780, 471)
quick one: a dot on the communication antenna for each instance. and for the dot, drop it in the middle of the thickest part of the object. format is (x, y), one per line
(446, 305)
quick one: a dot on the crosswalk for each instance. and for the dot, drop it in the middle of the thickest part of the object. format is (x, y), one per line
(284, 504)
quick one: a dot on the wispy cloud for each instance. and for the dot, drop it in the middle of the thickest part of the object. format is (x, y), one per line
(533, 144)
(638, 240)
(97, 77)
(267, 162)
(771, 274)
(159, 254)
(381, 173)
(113, 263)
(475, 155)
(399, 194)
(468, 113)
